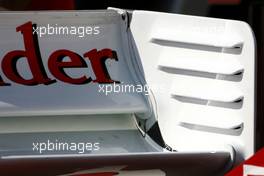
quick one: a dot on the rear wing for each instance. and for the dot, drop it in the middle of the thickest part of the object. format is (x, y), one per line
(164, 93)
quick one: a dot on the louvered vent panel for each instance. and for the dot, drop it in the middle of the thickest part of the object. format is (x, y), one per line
(207, 68)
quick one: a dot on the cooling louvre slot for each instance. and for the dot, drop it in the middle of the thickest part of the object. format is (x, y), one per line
(236, 49)
(237, 130)
(203, 89)
(233, 105)
(235, 78)
(224, 43)
(174, 59)
(210, 116)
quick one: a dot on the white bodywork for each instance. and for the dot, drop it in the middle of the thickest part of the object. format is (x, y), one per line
(201, 73)
(210, 84)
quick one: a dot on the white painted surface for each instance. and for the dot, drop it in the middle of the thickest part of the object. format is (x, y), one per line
(197, 59)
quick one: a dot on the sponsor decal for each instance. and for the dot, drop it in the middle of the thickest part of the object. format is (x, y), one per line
(254, 166)
(55, 63)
